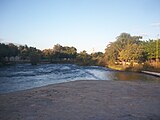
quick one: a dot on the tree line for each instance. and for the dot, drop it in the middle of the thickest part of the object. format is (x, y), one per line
(126, 49)
(58, 54)
(132, 50)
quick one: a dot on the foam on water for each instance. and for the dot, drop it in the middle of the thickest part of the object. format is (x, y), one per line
(25, 76)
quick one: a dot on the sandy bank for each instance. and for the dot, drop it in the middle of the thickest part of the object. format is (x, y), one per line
(84, 100)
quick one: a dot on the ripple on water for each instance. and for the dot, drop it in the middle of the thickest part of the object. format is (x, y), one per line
(25, 76)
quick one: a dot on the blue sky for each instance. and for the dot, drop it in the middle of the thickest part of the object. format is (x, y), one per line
(84, 24)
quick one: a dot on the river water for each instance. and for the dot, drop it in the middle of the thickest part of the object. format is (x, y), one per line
(26, 76)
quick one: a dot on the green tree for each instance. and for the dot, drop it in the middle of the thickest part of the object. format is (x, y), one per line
(34, 58)
(57, 52)
(24, 52)
(4, 52)
(13, 50)
(150, 48)
(47, 54)
(83, 58)
(98, 58)
(132, 52)
(111, 53)
(120, 49)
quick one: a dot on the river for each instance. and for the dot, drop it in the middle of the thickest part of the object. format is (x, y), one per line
(26, 76)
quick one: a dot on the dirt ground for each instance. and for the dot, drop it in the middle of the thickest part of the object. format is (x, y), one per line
(84, 100)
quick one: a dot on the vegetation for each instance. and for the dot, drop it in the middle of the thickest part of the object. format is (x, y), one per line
(59, 54)
(34, 58)
(126, 53)
(131, 53)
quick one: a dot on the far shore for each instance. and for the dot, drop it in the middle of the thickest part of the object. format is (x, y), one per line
(84, 100)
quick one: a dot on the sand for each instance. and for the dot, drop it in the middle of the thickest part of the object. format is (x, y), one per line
(84, 100)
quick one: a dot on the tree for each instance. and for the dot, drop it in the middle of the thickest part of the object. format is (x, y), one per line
(150, 48)
(132, 52)
(34, 58)
(24, 52)
(57, 52)
(120, 49)
(83, 58)
(98, 58)
(13, 50)
(111, 53)
(47, 54)
(69, 52)
(4, 51)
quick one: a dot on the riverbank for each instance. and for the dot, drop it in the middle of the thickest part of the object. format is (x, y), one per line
(151, 73)
(137, 68)
(84, 100)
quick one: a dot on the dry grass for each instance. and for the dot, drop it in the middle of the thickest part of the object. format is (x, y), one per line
(154, 67)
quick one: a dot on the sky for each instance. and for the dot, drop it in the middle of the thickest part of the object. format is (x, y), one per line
(85, 24)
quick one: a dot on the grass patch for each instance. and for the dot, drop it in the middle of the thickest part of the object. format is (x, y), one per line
(153, 67)
(117, 67)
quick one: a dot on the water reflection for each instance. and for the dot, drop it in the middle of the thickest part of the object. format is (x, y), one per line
(25, 76)
(134, 76)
